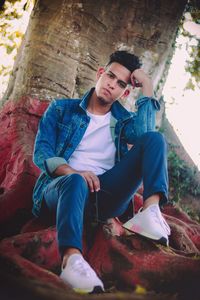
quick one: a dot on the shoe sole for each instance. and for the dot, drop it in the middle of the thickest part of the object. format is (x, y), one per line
(162, 240)
(96, 290)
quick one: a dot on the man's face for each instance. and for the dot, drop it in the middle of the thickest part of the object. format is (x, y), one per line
(112, 82)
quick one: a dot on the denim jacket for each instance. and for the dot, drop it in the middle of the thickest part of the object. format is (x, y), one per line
(63, 125)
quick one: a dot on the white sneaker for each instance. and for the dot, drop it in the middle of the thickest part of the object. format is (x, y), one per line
(150, 223)
(80, 276)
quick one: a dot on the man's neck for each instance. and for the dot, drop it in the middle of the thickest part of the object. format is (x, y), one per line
(96, 106)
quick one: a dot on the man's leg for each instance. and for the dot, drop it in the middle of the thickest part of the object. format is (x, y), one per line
(147, 161)
(67, 196)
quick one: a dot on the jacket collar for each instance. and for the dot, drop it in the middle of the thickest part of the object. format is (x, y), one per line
(85, 99)
(117, 110)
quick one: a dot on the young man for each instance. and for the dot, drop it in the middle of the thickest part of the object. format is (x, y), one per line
(81, 149)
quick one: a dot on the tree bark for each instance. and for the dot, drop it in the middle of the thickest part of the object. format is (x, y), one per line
(67, 40)
(64, 44)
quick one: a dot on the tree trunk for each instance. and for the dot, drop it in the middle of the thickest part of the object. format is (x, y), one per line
(65, 43)
(67, 40)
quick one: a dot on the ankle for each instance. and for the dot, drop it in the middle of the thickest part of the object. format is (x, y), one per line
(154, 199)
(67, 253)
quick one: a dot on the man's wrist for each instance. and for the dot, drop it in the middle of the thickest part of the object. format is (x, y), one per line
(63, 170)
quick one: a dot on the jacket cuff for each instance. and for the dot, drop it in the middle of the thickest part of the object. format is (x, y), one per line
(144, 99)
(51, 164)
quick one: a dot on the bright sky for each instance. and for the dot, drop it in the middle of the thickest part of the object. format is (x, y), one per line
(184, 113)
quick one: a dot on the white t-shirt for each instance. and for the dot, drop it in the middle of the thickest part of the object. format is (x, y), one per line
(96, 151)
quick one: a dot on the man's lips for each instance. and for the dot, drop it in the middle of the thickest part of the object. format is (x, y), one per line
(107, 91)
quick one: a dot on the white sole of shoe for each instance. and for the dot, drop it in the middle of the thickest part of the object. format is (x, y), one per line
(95, 290)
(140, 231)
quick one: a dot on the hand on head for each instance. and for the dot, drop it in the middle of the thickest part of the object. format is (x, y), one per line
(140, 79)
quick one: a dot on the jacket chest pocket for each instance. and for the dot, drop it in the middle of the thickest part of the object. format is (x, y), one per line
(64, 133)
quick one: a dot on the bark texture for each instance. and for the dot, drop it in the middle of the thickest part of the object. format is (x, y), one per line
(18, 173)
(65, 43)
(123, 260)
(67, 40)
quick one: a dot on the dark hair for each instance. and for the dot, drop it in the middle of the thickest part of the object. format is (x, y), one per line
(126, 59)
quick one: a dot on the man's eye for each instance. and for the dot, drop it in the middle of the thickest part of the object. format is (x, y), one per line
(122, 85)
(111, 75)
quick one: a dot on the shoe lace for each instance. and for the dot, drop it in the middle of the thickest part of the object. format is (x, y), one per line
(158, 218)
(82, 267)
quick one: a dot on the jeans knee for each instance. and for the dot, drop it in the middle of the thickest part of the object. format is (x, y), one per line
(76, 181)
(156, 137)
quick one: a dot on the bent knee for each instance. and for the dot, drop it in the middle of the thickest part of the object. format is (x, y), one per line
(156, 137)
(77, 178)
(74, 179)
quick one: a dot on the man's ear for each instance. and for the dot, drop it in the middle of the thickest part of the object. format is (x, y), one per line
(100, 71)
(125, 94)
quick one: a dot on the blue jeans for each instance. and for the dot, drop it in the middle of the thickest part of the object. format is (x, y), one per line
(72, 201)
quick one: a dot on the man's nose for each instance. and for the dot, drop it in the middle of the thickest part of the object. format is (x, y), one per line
(112, 84)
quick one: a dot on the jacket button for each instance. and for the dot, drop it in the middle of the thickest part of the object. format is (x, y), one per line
(70, 145)
(82, 125)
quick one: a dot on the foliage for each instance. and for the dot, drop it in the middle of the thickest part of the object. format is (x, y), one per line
(194, 8)
(194, 215)
(193, 64)
(13, 23)
(181, 178)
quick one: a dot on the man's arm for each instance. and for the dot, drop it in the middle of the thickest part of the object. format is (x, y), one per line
(144, 81)
(91, 179)
(144, 118)
(44, 155)
(45, 141)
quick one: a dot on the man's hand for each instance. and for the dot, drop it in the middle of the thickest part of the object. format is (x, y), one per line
(140, 78)
(91, 179)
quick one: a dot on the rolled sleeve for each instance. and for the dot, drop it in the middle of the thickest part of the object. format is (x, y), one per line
(144, 119)
(143, 99)
(51, 164)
